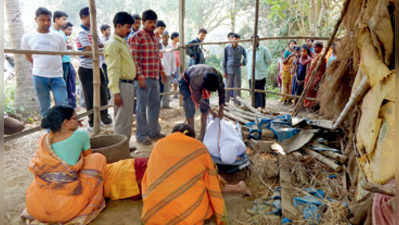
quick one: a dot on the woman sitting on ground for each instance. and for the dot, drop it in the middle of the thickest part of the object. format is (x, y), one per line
(70, 182)
(181, 184)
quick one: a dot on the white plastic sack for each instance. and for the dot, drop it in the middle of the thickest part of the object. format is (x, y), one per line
(231, 144)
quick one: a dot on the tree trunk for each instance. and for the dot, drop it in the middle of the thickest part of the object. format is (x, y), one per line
(25, 95)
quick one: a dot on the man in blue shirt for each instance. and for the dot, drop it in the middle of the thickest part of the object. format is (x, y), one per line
(235, 56)
(195, 51)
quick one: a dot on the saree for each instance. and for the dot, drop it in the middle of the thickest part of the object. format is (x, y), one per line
(314, 86)
(286, 78)
(65, 194)
(181, 185)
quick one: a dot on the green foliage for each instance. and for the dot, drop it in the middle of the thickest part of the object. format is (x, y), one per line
(9, 99)
(215, 61)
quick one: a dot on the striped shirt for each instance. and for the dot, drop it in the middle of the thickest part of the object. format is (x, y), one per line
(145, 48)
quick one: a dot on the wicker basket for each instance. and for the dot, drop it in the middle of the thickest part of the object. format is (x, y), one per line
(114, 147)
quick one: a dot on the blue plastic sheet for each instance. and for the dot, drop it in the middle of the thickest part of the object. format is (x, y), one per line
(281, 127)
(286, 221)
(311, 204)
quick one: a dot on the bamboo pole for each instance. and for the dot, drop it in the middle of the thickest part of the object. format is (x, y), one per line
(254, 47)
(37, 52)
(355, 97)
(182, 10)
(38, 128)
(330, 163)
(313, 74)
(96, 67)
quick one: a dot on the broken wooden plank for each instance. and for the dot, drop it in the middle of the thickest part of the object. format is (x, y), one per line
(240, 115)
(244, 111)
(330, 163)
(252, 109)
(288, 209)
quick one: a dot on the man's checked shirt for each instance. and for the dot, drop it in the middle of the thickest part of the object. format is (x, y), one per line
(145, 50)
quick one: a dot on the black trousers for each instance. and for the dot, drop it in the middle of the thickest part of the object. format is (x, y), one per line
(260, 98)
(86, 78)
(105, 72)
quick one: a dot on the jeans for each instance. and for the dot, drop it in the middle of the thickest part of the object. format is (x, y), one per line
(260, 98)
(70, 80)
(44, 85)
(147, 111)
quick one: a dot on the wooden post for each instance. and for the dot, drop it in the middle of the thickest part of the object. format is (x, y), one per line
(182, 9)
(96, 67)
(255, 42)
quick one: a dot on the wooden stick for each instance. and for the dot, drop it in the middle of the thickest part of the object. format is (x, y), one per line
(254, 48)
(355, 97)
(376, 188)
(240, 115)
(324, 160)
(37, 52)
(235, 118)
(239, 110)
(182, 13)
(338, 157)
(96, 67)
(38, 128)
(252, 109)
(313, 74)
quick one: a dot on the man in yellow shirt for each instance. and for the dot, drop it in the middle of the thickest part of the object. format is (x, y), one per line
(121, 73)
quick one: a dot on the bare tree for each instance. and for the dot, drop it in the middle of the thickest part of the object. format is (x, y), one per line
(25, 95)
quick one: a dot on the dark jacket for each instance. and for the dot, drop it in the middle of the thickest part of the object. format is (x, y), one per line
(195, 53)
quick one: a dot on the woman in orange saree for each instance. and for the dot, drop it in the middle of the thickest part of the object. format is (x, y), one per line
(181, 184)
(70, 182)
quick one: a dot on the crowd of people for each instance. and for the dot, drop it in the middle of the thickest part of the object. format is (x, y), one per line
(179, 174)
(296, 65)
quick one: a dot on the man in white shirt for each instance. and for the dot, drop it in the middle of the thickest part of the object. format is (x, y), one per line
(169, 67)
(47, 69)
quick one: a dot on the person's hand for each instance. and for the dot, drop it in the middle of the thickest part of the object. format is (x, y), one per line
(118, 100)
(142, 83)
(225, 75)
(69, 47)
(221, 112)
(214, 115)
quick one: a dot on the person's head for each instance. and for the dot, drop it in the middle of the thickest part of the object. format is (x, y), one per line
(137, 22)
(257, 38)
(60, 18)
(202, 34)
(43, 19)
(60, 118)
(318, 47)
(175, 37)
(297, 50)
(149, 20)
(305, 51)
(309, 42)
(291, 44)
(230, 36)
(122, 24)
(160, 28)
(211, 82)
(235, 37)
(67, 28)
(106, 29)
(165, 37)
(85, 16)
(185, 129)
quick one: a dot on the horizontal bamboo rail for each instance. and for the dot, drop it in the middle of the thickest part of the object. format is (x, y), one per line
(88, 53)
(268, 92)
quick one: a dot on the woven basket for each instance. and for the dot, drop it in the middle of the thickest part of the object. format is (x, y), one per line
(114, 147)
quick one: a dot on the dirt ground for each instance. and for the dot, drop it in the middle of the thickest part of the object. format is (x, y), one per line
(19, 152)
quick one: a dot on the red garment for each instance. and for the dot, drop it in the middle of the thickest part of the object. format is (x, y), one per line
(177, 54)
(314, 86)
(145, 48)
(140, 165)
